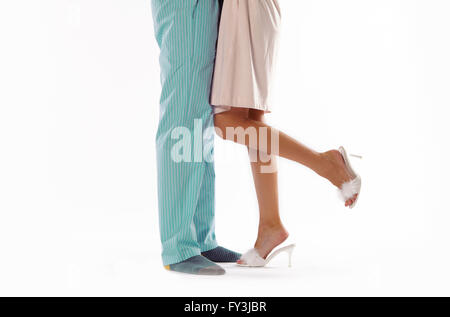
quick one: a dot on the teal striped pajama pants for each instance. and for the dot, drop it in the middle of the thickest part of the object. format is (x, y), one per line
(186, 32)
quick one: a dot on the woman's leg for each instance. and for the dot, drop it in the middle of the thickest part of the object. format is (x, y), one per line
(271, 231)
(236, 125)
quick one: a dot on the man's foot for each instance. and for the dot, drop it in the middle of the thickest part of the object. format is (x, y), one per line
(221, 255)
(334, 169)
(269, 237)
(198, 265)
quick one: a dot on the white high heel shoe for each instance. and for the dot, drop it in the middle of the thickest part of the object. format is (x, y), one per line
(352, 187)
(252, 258)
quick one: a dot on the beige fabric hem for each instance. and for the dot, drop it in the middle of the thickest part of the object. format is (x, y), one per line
(226, 106)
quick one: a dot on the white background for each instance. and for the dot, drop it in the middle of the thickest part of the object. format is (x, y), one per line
(79, 92)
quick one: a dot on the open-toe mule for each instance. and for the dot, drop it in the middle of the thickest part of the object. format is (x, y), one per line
(252, 258)
(353, 187)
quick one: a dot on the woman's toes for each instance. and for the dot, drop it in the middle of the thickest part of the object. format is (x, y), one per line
(351, 200)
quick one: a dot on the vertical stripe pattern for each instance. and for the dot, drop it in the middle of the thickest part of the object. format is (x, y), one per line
(186, 32)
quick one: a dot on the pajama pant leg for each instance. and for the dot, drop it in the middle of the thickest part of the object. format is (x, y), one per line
(186, 32)
(204, 215)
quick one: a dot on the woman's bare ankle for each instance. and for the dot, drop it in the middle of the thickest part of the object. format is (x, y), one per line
(269, 237)
(332, 168)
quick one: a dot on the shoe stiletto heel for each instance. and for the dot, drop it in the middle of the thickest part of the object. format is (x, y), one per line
(353, 187)
(290, 256)
(252, 258)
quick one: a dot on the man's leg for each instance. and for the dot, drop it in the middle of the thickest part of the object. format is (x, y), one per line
(204, 213)
(182, 30)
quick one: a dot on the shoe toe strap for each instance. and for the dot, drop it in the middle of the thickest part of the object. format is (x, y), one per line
(349, 189)
(252, 258)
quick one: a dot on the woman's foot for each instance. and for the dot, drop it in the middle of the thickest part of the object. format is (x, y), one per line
(333, 168)
(269, 237)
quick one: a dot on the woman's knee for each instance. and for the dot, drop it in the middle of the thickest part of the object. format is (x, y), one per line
(220, 123)
(256, 115)
(229, 119)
